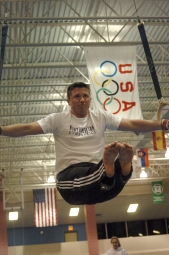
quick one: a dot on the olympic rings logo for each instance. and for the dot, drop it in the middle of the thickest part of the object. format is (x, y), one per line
(127, 87)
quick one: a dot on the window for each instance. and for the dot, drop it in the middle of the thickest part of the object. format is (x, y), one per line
(136, 228)
(133, 228)
(167, 222)
(101, 231)
(116, 229)
(156, 227)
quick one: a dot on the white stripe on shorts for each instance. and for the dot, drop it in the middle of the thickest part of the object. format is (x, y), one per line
(82, 181)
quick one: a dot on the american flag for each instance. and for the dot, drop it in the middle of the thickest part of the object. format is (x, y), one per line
(45, 207)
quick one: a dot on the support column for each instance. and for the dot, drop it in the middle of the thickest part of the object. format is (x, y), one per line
(91, 230)
(3, 229)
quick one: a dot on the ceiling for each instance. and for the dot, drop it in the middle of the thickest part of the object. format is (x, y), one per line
(43, 55)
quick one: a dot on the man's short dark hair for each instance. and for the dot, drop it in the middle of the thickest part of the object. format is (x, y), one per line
(76, 85)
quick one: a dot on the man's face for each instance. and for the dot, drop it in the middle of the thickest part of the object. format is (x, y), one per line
(115, 244)
(79, 102)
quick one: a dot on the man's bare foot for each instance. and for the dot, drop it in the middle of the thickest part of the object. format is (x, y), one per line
(111, 152)
(125, 157)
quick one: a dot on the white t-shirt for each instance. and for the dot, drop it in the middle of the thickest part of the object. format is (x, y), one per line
(78, 139)
(119, 251)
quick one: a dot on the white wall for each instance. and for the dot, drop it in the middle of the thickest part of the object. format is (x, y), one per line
(146, 245)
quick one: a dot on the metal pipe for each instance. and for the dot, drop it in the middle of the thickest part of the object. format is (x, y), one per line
(94, 18)
(57, 65)
(82, 44)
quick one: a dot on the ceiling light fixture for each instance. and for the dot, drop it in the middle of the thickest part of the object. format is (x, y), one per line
(132, 208)
(156, 232)
(13, 215)
(74, 211)
(51, 179)
(143, 173)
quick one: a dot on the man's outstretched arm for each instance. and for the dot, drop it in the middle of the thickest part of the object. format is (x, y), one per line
(143, 125)
(18, 130)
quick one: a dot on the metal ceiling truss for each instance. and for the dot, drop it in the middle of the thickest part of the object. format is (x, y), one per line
(16, 189)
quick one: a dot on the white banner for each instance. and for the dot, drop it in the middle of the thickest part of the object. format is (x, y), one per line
(113, 80)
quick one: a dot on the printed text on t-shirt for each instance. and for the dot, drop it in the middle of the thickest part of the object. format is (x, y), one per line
(81, 131)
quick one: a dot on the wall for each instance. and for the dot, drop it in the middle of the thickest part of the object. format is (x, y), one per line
(146, 245)
(32, 235)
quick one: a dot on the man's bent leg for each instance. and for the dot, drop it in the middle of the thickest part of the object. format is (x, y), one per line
(125, 158)
(113, 185)
(111, 152)
(81, 183)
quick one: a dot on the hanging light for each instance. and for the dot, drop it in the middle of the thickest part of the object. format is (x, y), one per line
(143, 173)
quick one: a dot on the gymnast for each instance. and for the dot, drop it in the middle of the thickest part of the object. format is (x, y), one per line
(88, 171)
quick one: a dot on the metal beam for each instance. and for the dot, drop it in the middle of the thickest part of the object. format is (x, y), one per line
(32, 101)
(79, 23)
(82, 19)
(82, 44)
(51, 100)
(66, 65)
(61, 82)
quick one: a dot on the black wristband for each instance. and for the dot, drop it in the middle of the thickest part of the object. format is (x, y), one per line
(0, 130)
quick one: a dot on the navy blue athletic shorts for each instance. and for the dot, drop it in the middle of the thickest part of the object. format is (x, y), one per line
(87, 183)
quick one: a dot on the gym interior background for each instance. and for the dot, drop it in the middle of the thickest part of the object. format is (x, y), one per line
(43, 55)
